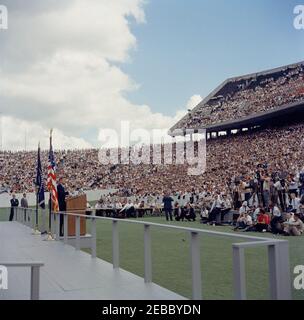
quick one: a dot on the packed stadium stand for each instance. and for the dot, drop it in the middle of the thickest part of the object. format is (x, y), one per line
(263, 163)
(256, 96)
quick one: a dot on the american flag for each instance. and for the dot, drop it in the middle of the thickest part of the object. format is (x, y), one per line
(51, 178)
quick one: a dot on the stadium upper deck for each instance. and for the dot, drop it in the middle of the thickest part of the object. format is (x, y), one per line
(249, 100)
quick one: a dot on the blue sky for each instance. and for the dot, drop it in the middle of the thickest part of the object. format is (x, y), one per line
(76, 71)
(189, 47)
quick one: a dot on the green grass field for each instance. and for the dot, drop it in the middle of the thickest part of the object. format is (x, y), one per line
(171, 258)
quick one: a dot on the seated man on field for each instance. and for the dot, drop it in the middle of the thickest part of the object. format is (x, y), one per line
(276, 220)
(98, 207)
(140, 209)
(226, 214)
(190, 212)
(256, 212)
(216, 209)
(178, 212)
(204, 214)
(294, 227)
(244, 208)
(128, 210)
(244, 222)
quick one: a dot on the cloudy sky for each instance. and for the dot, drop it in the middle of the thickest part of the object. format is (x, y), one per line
(80, 66)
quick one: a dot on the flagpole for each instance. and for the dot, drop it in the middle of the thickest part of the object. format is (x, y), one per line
(50, 213)
(37, 200)
(50, 235)
(37, 197)
(36, 229)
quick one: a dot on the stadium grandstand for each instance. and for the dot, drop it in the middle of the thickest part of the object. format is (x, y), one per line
(254, 182)
(110, 193)
(263, 164)
(256, 99)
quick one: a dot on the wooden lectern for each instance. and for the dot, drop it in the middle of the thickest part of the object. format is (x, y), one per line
(76, 205)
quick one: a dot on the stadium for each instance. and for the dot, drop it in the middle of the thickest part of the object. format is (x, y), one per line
(210, 209)
(244, 164)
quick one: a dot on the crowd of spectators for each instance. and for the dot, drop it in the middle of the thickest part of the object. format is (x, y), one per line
(270, 153)
(258, 173)
(262, 168)
(254, 95)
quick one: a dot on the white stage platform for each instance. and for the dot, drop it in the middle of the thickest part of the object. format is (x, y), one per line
(68, 274)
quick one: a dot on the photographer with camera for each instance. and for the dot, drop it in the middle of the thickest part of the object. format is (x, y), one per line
(301, 183)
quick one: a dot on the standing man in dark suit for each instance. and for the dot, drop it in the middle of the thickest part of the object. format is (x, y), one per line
(61, 201)
(167, 201)
(14, 205)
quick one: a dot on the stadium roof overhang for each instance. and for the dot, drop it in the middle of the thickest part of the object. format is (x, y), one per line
(272, 117)
(255, 119)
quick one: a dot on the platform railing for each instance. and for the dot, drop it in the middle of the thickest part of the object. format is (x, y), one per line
(35, 275)
(278, 268)
(27, 216)
(278, 252)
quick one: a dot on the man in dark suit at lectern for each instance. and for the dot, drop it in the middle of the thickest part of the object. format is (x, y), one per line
(61, 201)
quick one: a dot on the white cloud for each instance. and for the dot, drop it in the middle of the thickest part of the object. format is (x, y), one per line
(58, 69)
(193, 101)
(22, 135)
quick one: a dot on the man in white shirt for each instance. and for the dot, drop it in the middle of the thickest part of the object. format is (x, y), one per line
(295, 227)
(266, 190)
(215, 211)
(256, 212)
(276, 221)
(128, 209)
(281, 193)
(118, 205)
(295, 203)
(244, 208)
(244, 221)
(276, 212)
(204, 214)
(98, 205)
(293, 186)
